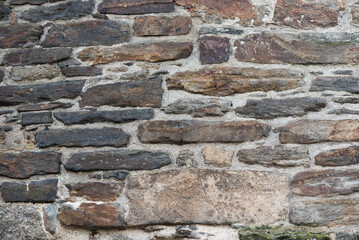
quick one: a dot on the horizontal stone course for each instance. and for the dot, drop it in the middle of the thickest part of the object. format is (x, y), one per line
(338, 157)
(14, 36)
(136, 6)
(36, 118)
(161, 26)
(96, 191)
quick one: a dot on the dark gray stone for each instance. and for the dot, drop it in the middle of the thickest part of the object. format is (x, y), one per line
(36, 118)
(343, 72)
(343, 100)
(50, 217)
(14, 36)
(343, 111)
(136, 6)
(348, 84)
(4, 12)
(75, 71)
(220, 31)
(44, 106)
(214, 49)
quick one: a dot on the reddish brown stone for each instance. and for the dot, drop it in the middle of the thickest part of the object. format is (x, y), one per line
(300, 48)
(93, 216)
(136, 6)
(27, 164)
(14, 36)
(162, 26)
(314, 131)
(304, 14)
(186, 131)
(214, 49)
(338, 157)
(151, 52)
(325, 183)
(137, 93)
(42, 107)
(228, 81)
(96, 191)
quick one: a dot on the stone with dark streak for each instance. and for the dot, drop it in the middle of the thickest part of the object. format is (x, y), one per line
(214, 49)
(43, 107)
(96, 191)
(36, 118)
(162, 26)
(15, 36)
(126, 7)
(338, 157)
(75, 71)
(347, 84)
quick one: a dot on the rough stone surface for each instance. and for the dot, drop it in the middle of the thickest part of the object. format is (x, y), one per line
(93, 216)
(32, 2)
(275, 156)
(13, 36)
(186, 159)
(217, 157)
(355, 13)
(331, 212)
(343, 100)
(36, 118)
(338, 157)
(207, 197)
(35, 56)
(314, 131)
(62, 11)
(88, 33)
(44, 106)
(75, 71)
(33, 73)
(35, 191)
(138, 93)
(125, 7)
(214, 49)
(298, 48)
(343, 111)
(304, 14)
(348, 84)
(14, 95)
(161, 26)
(191, 131)
(220, 30)
(122, 116)
(50, 217)
(269, 108)
(228, 81)
(5, 12)
(1, 75)
(115, 160)
(21, 222)
(95, 137)
(27, 164)
(198, 107)
(151, 52)
(96, 191)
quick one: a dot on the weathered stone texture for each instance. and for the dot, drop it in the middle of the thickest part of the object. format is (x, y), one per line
(314, 131)
(13, 95)
(33, 73)
(325, 183)
(217, 157)
(206, 197)
(95, 137)
(307, 14)
(96, 191)
(151, 52)
(5, 12)
(36, 118)
(21, 222)
(138, 93)
(214, 49)
(343, 100)
(161, 26)
(348, 84)
(35, 56)
(62, 11)
(75, 71)
(338, 157)
(299, 48)
(88, 33)
(50, 217)
(136, 6)
(191, 131)
(273, 108)
(44, 106)
(35, 191)
(32, 2)
(14, 36)
(122, 116)
(275, 156)
(115, 160)
(331, 213)
(228, 81)
(27, 164)
(93, 216)
(355, 13)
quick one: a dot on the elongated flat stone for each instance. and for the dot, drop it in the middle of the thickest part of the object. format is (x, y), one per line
(338, 157)
(136, 6)
(36, 118)
(347, 84)
(14, 36)
(96, 191)
(44, 106)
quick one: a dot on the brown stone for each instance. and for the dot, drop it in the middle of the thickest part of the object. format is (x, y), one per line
(42, 107)
(33, 73)
(96, 191)
(136, 6)
(206, 197)
(275, 156)
(151, 52)
(314, 131)
(93, 216)
(75, 71)
(137, 93)
(161, 26)
(214, 49)
(88, 33)
(228, 81)
(27, 164)
(191, 131)
(330, 213)
(217, 157)
(299, 48)
(355, 13)
(325, 183)
(14, 36)
(304, 14)
(338, 157)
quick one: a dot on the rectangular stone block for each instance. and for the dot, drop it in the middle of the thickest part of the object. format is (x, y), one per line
(36, 118)
(338, 157)
(161, 26)
(126, 7)
(14, 36)
(347, 84)
(96, 191)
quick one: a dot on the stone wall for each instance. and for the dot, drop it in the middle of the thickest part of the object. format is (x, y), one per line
(177, 119)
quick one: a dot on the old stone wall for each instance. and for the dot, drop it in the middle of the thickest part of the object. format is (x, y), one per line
(179, 119)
